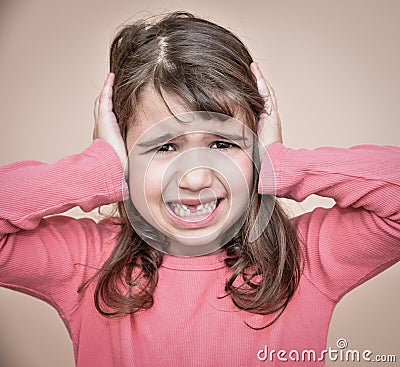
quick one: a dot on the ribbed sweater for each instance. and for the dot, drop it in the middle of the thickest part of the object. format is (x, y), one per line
(49, 256)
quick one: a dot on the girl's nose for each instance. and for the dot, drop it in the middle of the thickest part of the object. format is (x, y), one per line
(197, 179)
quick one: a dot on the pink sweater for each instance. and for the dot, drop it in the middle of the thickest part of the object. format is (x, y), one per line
(188, 325)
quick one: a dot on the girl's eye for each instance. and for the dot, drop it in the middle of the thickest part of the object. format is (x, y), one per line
(222, 145)
(166, 148)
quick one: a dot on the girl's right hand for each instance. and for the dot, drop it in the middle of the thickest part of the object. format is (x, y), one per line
(106, 124)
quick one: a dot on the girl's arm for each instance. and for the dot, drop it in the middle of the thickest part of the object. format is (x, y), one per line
(360, 236)
(31, 190)
(40, 255)
(47, 256)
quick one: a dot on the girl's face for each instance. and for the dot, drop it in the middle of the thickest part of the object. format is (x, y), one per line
(189, 180)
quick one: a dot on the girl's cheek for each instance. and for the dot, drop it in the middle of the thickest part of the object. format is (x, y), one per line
(246, 166)
(139, 178)
(153, 177)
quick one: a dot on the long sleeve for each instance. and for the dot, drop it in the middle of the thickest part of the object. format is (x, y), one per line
(30, 190)
(360, 236)
(40, 251)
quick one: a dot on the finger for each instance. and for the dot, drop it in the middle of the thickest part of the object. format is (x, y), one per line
(96, 108)
(264, 89)
(105, 101)
(262, 85)
(272, 94)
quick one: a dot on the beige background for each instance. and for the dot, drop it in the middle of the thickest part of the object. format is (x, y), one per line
(334, 66)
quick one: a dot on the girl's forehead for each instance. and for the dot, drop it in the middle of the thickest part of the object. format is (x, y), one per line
(153, 119)
(192, 125)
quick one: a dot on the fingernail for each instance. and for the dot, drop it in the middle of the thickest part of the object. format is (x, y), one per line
(110, 77)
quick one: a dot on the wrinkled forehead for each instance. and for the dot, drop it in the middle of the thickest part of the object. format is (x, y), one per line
(195, 122)
(167, 116)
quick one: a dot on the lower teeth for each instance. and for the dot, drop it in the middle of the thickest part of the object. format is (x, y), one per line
(181, 212)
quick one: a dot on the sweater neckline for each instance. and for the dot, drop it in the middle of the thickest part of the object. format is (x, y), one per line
(206, 262)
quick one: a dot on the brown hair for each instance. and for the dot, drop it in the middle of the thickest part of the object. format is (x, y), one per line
(207, 68)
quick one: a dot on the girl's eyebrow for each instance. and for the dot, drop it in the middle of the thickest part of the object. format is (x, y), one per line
(157, 141)
(162, 139)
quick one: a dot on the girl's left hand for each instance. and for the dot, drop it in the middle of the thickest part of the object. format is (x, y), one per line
(269, 124)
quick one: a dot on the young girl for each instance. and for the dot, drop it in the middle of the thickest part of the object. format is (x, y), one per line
(202, 267)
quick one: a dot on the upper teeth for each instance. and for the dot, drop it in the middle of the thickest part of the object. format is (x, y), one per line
(182, 210)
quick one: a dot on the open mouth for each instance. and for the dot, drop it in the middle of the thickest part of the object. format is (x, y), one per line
(182, 210)
(193, 215)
